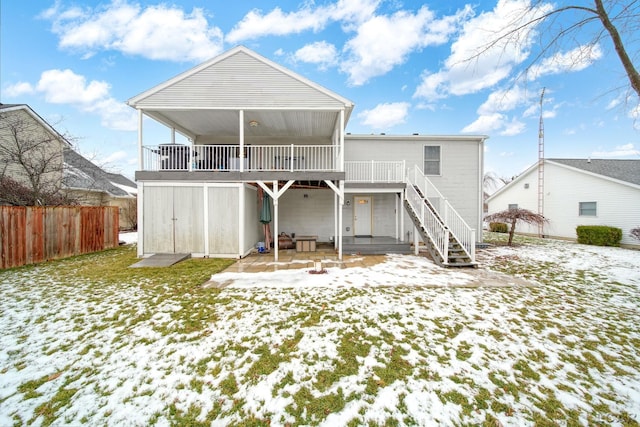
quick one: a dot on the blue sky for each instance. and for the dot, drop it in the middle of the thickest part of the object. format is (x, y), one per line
(404, 64)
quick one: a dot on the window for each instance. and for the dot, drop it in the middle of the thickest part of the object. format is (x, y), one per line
(432, 160)
(588, 208)
(513, 206)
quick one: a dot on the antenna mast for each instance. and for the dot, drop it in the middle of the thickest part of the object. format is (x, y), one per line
(541, 168)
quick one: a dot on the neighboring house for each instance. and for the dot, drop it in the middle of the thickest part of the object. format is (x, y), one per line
(31, 149)
(252, 124)
(88, 184)
(577, 192)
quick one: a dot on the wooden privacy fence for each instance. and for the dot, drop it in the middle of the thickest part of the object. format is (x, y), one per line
(34, 234)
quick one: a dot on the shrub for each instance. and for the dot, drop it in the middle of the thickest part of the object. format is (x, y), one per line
(498, 227)
(599, 235)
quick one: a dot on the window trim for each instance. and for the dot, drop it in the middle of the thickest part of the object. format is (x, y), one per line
(425, 160)
(581, 209)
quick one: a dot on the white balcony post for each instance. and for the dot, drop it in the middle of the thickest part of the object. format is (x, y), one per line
(140, 158)
(341, 154)
(372, 171)
(445, 246)
(291, 159)
(472, 249)
(241, 152)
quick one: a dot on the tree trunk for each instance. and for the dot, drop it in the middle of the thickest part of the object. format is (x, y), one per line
(512, 231)
(632, 73)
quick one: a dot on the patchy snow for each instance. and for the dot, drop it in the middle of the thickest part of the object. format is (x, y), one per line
(406, 340)
(129, 237)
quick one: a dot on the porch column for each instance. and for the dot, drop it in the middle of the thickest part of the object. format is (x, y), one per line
(241, 153)
(341, 158)
(340, 219)
(275, 220)
(140, 138)
(335, 221)
(402, 216)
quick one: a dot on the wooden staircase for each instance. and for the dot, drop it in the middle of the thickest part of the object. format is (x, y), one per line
(450, 252)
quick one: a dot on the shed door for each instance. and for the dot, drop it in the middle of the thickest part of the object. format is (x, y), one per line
(362, 216)
(173, 220)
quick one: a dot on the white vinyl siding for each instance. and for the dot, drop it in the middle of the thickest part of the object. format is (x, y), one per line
(588, 208)
(240, 81)
(459, 181)
(432, 161)
(618, 205)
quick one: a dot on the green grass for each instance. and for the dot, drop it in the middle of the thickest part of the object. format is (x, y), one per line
(155, 337)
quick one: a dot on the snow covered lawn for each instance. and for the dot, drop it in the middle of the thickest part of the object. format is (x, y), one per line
(404, 343)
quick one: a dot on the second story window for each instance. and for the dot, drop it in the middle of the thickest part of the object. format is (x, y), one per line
(432, 160)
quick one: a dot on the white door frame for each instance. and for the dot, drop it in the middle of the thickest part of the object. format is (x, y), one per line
(362, 224)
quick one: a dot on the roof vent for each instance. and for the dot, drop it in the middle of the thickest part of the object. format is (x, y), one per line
(589, 160)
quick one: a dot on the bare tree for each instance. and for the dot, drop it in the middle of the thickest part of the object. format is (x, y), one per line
(32, 161)
(512, 216)
(130, 213)
(584, 26)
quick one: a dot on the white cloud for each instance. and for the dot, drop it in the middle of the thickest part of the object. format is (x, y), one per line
(18, 89)
(385, 116)
(574, 60)
(625, 150)
(486, 124)
(156, 32)
(116, 157)
(256, 24)
(322, 53)
(512, 128)
(474, 63)
(278, 23)
(382, 42)
(504, 100)
(67, 87)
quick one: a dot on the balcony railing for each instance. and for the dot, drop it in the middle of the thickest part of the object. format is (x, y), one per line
(374, 171)
(177, 157)
(293, 158)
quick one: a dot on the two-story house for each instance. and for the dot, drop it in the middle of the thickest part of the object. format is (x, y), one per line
(35, 157)
(252, 124)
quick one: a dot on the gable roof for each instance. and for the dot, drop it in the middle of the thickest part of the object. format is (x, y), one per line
(5, 108)
(81, 174)
(223, 74)
(627, 170)
(206, 100)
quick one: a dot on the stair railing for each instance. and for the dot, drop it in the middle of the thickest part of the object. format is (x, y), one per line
(432, 226)
(457, 226)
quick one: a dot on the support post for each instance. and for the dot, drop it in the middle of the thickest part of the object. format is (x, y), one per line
(241, 132)
(140, 138)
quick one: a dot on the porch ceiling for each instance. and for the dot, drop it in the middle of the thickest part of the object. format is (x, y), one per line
(270, 123)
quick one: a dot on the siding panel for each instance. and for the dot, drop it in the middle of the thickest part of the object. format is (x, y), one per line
(618, 204)
(240, 81)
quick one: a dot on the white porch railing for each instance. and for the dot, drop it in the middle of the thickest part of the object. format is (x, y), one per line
(457, 226)
(228, 157)
(438, 233)
(374, 171)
